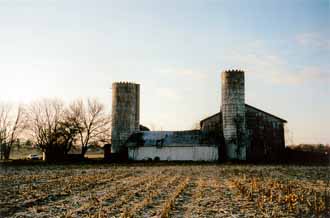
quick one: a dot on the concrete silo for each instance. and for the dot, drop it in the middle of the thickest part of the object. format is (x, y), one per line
(125, 113)
(233, 114)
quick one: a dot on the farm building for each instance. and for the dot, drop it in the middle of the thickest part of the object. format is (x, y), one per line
(265, 134)
(171, 146)
(238, 132)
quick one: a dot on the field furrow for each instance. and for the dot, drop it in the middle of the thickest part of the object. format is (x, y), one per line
(153, 207)
(181, 190)
(170, 201)
(56, 192)
(181, 205)
(106, 199)
(82, 197)
(135, 207)
(119, 206)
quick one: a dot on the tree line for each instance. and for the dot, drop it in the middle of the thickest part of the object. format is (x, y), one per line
(54, 127)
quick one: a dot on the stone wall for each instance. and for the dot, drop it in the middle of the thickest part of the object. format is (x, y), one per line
(125, 113)
(233, 114)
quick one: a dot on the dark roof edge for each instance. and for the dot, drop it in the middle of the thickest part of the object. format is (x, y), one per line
(210, 117)
(284, 121)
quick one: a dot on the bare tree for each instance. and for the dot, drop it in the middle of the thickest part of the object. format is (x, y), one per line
(51, 133)
(12, 124)
(91, 121)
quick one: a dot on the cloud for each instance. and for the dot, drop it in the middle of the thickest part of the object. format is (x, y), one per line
(300, 76)
(313, 40)
(269, 66)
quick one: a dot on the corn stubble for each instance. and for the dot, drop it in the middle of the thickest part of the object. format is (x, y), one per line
(165, 191)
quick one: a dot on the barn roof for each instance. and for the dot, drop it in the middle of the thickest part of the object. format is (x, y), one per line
(269, 114)
(248, 106)
(165, 138)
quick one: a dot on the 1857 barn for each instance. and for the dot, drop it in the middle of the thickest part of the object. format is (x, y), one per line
(238, 132)
(265, 134)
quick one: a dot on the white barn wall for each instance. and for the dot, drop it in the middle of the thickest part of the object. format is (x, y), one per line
(174, 153)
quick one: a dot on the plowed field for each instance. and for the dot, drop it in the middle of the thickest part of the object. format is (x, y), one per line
(164, 191)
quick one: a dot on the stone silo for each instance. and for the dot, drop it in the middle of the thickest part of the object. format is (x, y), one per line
(233, 114)
(125, 113)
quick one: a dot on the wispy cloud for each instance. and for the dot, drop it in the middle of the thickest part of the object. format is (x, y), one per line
(270, 66)
(313, 40)
(300, 76)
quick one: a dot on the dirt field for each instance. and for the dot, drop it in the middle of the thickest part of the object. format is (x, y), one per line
(164, 191)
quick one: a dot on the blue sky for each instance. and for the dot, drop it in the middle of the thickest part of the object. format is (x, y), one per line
(176, 51)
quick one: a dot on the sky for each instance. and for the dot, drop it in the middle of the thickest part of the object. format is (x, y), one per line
(176, 50)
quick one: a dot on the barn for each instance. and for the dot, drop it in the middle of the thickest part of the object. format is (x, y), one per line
(265, 134)
(171, 146)
(238, 132)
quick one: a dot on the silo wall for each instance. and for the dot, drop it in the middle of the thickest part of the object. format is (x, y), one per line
(233, 114)
(125, 113)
